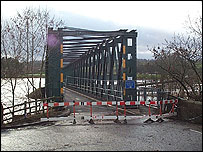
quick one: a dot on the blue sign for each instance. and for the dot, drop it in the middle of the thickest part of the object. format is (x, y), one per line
(130, 84)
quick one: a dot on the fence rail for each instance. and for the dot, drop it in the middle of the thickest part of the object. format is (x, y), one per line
(33, 106)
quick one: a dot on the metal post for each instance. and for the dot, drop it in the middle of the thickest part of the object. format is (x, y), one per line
(74, 121)
(125, 121)
(116, 120)
(91, 120)
(149, 120)
(160, 112)
(173, 108)
(145, 94)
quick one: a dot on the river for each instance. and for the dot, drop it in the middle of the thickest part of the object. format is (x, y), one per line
(20, 91)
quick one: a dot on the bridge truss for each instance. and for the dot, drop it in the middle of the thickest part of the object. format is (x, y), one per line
(101, 64)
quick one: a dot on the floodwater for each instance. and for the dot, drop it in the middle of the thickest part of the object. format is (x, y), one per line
(21, 90)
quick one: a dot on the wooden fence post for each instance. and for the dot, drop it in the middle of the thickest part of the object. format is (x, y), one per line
(25, 110)
(29, 108)
(2, 112)
(35, 106)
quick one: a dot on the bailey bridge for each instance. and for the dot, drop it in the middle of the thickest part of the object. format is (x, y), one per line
(100, 64)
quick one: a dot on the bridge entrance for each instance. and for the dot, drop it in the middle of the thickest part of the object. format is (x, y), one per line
(98, 64)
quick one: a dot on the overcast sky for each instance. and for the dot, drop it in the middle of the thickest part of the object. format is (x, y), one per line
(154, 20)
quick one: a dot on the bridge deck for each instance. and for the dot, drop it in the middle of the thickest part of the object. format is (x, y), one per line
(70, 95)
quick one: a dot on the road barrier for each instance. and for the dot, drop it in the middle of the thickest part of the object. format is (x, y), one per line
(117, 103)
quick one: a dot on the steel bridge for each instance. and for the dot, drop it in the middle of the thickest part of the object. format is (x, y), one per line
(101, 64)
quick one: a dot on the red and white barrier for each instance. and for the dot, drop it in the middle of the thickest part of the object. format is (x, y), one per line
(117, 103)
(128, 103)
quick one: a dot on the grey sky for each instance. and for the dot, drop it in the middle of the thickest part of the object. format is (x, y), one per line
(154, 20)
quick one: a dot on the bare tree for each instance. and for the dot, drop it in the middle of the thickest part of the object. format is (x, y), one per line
(23, 41)
(11, 55)
(181, 59)
(34, 23)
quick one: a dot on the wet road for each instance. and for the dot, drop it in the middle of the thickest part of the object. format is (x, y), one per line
(170, 135)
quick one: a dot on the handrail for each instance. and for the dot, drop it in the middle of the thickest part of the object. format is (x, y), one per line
(23, 107)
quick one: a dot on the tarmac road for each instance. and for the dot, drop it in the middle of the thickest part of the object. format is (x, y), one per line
(169, 135)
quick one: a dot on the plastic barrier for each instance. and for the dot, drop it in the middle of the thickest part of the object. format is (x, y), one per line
(117, 103)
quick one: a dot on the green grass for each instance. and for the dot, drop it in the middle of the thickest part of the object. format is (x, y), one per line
(148, 76)
(36, 75)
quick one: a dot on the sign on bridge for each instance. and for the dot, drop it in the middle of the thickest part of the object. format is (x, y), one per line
(130, 84)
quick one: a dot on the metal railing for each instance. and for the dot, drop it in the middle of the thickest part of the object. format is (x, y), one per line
(113, 89)
(106, 89)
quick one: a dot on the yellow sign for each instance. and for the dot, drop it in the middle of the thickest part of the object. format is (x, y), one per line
(123, 63)
(61, 90)
(61, 63)
(61, 77)
(123, 76)
(123, 49)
